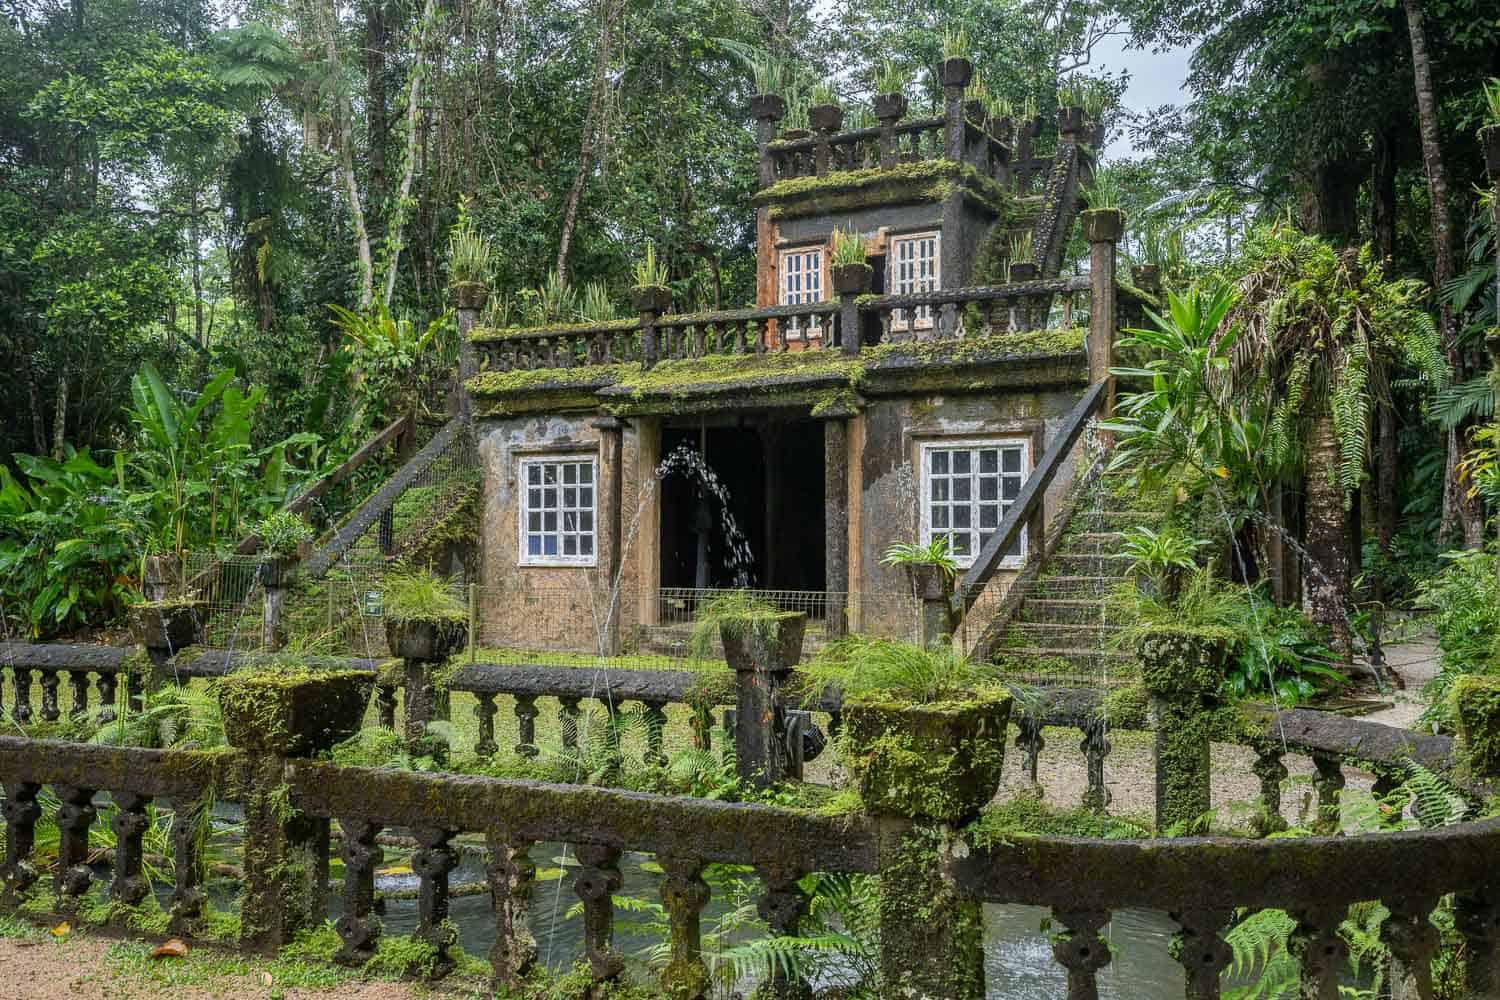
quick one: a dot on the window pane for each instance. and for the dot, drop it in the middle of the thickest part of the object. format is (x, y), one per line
(989, 488)
(989, 460)
(586, 521)
(989, 516)
(940, 517)
(549, 521)
(534, 521)
(961, 517)
(960, 463)
(549, 474)
(961, 488)
(570, 473)
(570, 545)
(549, 545)
(940, 489)
(570, 521)
(534, 475)
(585, 498)
(585, 473)
(961, 543)
(533, 499)
(570, 497)
(586, 545)
(1012, 459)
(1011, 488)
(940, 462)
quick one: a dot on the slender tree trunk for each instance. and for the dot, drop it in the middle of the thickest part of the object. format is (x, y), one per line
(1325, 572)
(194, 236)
(396, 219)
(34, 393)
(608, 11)
(1386, 481)
(1455, 511)
(344, 130)
(60, 414)
(376, 118)
(1383, 194)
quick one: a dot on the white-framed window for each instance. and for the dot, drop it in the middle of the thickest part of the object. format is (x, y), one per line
(914, 268)
(801, 283)
(967, 486)
(559, 505)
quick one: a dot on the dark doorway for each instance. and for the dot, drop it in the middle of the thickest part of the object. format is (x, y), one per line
(773, 475)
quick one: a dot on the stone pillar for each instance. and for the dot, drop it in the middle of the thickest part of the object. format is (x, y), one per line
(931, 934)
(825, 119)
(1102, 227)
(275, 574)
(762, 651)
(648, 530)
(1183, 669)
(286, 862)
(650, 301)
(955, 76)
(468, 299)
(889, 109)
(767, 110)
(836, 523)
(611, 524)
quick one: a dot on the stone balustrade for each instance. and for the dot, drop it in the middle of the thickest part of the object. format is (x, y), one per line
(1200, 881)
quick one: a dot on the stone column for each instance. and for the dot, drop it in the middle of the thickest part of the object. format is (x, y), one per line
(648, 531)
(1102, 227)
(955, 76)
(286, 862)
(1183, 670)
(650, 301)
(889, 109)
(468, 299)
(762, 651)
(931, 934)
(767, 110)
(610, 522)
(836, 523)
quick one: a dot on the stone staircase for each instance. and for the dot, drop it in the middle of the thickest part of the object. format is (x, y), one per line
(1061, 632)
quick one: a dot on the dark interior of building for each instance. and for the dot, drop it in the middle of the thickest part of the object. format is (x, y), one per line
(772, 473)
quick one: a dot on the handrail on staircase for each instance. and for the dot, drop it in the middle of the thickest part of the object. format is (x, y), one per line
(1029, 501)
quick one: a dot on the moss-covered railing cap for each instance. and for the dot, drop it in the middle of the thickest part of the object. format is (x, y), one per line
(490, 335)
(956, 72)
(1181, 661)
(905, 183)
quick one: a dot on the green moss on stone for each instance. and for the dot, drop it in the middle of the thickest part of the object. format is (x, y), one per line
(1475, 699)
(1027, 815)
(850, 190)
(492, 335)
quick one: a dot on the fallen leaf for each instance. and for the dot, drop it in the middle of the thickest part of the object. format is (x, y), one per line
(62, 930)
(171, 948)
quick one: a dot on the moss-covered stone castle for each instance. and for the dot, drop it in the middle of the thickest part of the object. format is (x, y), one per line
(855, 406)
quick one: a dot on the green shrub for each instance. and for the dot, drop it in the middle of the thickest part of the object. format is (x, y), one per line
(860, 665)
(1467, 622)
(281, 533)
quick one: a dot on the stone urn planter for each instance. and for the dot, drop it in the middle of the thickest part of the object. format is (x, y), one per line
(825, 117)
(938, 761)
(975, 112)
(1103, 225)
(1490, 136)
(1022, 270)
(956, 72)
(852, 279)
(160, 576)
(167, 624)
(293, 712)
(771, 643)
(772, 106)
(470, 294)
(1475, 699)
(429, 639)
(1070, 120)
(651, 298)
(889, 107)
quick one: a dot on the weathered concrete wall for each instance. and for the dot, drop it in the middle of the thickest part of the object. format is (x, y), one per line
(888, 486)
(552, 607)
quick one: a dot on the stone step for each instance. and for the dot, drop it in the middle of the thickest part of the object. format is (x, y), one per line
(1051, 635)
(1111, 565)
(1092, 542)
(1062, 585)
(1063, 610)
(1115, 520)
(1065, 667)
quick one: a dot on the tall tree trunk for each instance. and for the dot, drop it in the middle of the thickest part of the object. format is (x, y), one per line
(1456, 512)
(34, 393)
(60, 414)
(1383, 194)
(1386, 481)
(1325, 571)
(195, 237)
(376, 118)
(344, 130)
(608, 11)
(396, 218)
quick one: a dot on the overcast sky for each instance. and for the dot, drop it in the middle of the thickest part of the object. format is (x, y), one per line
(1156, 78)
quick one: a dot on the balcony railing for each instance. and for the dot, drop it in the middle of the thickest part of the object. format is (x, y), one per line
(978, 311)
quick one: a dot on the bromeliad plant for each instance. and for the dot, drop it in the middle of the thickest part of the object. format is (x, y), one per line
(1161, 558)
